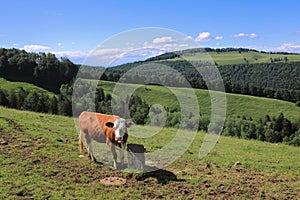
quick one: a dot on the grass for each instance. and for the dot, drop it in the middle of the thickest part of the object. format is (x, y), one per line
(39, 160)
(234, 57)
(237, 105)
(14, 86)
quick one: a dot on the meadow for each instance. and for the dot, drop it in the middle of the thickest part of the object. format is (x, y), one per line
(13, 86)
(39, 160)
(237, 105)
(234, 57)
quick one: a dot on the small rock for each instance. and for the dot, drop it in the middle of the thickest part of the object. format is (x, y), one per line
(3, 141)
(186, 192)
(59, 140)
(236, 164)
(208, 165)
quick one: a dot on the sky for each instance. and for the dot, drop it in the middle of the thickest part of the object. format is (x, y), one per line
(75, 28)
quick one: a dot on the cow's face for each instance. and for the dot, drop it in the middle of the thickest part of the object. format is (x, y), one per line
(120, 129)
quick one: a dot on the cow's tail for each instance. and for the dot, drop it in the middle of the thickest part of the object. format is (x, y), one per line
(80, 143)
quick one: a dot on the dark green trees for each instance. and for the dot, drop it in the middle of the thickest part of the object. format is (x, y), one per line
(277, 129)
(42, 69)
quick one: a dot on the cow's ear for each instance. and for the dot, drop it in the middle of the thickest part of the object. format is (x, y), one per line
(109, 124)
(129, 124)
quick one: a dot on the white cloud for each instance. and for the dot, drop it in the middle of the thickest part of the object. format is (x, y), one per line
(34, 47)
(240, 35)
(167, 43)
(167, 39)
(77, 57)
(218, 37)
(188, 38)
(252, 35)
(286, 47)
(60, 45)
(71, 54)
(244, 35)
(203, 37)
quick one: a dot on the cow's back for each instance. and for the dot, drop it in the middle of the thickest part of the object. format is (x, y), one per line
(95, 125)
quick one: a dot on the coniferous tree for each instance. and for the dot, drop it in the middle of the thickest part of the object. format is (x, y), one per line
(13, 100)
(54, 105)
(3, 98)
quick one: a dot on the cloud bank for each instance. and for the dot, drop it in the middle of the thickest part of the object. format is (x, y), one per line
(34, 47)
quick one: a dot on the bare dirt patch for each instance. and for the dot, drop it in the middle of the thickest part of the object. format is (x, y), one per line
(113, 181)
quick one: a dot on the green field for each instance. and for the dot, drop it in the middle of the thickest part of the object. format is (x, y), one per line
(237, 105)
(234, 57)
(39, 160)
(14, 86)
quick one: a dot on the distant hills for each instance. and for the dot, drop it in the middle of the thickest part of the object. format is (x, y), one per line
(244, 71)
(229, 56)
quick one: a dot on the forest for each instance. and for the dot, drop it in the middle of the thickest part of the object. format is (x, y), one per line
(42, 69)
(271, 80)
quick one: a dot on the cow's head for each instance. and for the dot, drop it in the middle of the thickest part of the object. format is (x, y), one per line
(120, 126)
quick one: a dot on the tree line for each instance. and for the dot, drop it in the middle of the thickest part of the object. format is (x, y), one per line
(41, 69)
(23, 99)
(271, 80)
(270, 129)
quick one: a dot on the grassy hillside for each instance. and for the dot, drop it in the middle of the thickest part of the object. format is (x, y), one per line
(237, 105)
(239, 68)
(13, 86)
(39, 159)
(234, 57)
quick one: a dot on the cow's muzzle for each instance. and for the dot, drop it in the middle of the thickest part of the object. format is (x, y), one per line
(118, 139)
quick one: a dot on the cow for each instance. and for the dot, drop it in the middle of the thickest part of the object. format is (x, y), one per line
(109, 129)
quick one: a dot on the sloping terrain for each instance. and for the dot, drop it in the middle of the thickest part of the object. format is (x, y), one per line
(39, 159)
(237, 105)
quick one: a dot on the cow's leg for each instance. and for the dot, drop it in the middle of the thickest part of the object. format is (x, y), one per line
(90, 151)
(113, 152)
(122, 153)
(80, 144)
(89, 146)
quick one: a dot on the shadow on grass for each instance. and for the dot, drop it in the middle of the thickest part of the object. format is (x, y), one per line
(162, 176)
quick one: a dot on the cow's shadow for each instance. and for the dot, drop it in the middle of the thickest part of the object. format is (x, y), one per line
(161, 175)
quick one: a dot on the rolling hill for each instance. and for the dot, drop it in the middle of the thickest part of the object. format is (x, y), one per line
(15, 86)
(230, 56)
(237, 105)
(243, 71)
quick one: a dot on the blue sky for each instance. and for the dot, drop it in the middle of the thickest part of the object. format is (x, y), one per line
(74, 28)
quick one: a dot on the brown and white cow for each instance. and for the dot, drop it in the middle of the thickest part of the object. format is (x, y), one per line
(109, 129)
